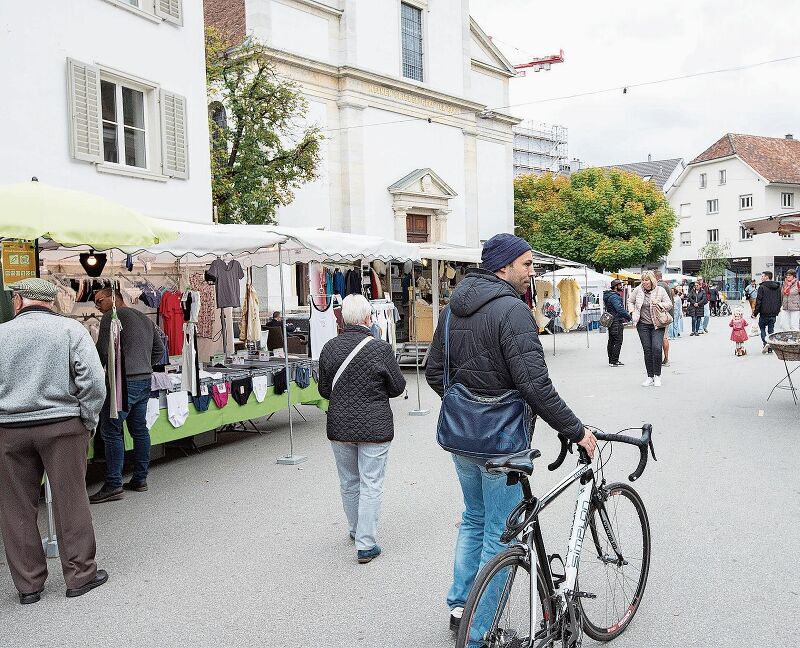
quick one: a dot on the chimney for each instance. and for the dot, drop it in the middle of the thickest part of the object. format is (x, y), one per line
(789, 136)
(649, 158)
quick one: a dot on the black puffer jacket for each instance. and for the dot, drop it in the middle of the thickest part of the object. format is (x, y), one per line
(359, 410)
(494, 347)
(768, 300)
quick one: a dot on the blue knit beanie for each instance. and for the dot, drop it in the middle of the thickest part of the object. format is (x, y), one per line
(502, 249)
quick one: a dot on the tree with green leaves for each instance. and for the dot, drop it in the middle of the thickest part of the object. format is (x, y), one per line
(714, 260)
(608, 219)
(261, 151)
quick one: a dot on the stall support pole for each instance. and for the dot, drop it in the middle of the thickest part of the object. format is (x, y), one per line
(418, 411)
(554, 296)
(586, 289)
(50, 541)
(291, 459)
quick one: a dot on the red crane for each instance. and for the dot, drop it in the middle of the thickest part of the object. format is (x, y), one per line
(541, 63)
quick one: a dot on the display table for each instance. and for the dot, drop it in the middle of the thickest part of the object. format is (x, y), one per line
(214, 417)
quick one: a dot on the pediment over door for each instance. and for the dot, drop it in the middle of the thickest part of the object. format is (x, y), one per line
(422, 192)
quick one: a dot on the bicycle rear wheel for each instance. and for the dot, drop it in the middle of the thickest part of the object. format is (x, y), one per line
(497, 611)
(618, 587)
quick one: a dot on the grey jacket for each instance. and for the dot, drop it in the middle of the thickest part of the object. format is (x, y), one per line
(49, 369)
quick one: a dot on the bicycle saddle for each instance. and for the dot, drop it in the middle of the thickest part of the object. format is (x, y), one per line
(521, 462)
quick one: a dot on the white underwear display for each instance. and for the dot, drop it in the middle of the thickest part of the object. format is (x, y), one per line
(260, 387)
(177, 408)
(153, 411)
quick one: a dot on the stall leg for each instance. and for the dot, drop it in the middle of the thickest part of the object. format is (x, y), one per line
(49, 542)
(418, 411)
(291, 459)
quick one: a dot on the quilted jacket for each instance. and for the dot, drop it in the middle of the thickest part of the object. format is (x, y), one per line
(494, 347)
(359, 410)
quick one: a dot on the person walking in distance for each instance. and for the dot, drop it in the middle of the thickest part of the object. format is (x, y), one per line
(676, 328)
(751, 295)
(791, 299)
(358, 375)
(613, 305)
(494, 349)
(142, 349)
(768, 305)
(643, 302)
(696, 304)
(668, 290)
(52, 387)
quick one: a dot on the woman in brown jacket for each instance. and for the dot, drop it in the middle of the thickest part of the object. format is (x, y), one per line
(643, 302)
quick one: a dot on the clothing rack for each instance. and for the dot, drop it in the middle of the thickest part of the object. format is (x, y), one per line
(85, 317)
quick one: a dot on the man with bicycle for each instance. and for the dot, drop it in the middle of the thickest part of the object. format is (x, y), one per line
(494, 349)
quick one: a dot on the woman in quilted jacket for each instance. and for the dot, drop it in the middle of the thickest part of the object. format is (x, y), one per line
(358, 375)
(644, 302)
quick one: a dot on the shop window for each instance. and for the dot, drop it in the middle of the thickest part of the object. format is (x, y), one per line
(417, 228)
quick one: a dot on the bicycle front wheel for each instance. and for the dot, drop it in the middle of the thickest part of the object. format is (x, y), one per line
(617, 585)
(497, 613)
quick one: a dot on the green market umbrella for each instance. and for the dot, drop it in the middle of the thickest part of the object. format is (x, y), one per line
(32, 210)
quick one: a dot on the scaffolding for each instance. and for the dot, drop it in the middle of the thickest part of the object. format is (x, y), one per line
(540, 148)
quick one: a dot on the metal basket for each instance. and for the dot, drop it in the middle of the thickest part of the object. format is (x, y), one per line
(786, 345)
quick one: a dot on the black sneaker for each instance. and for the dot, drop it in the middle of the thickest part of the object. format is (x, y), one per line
(106, 495)
(368, 555)
(33, 597)
(455, 618)
(100, 578)
(616, 364)
(139, 487)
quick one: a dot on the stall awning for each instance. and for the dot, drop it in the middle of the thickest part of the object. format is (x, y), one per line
(622, 274)
(588, 276)
(770, 224)
(449, 253)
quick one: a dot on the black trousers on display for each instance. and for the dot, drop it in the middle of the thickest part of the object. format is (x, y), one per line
(615, 331)
(652, 339)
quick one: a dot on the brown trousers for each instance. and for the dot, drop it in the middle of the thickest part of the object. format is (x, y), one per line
(25, 454)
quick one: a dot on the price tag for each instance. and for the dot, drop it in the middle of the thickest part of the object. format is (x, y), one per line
(221, 388)
(204, 390)
(238, 360)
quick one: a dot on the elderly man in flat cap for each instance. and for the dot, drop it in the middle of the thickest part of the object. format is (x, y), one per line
(52, 386)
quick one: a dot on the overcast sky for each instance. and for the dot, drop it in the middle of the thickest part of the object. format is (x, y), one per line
(619, 42)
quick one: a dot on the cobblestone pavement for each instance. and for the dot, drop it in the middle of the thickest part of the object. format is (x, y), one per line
(229, 549)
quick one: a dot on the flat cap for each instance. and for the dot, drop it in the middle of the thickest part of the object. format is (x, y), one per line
(36, 289)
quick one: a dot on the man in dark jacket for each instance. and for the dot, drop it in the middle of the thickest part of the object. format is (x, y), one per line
(613, 305)
(768, 305)
(360, 423)
(494, 348)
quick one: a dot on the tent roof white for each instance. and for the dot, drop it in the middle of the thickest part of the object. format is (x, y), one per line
(441, 252)
(594, 278)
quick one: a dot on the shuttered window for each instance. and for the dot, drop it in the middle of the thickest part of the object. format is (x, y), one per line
(174, 158)
(84, 111)
(170, 11)
(125, 125)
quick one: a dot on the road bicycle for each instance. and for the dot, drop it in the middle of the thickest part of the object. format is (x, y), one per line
(599, 587)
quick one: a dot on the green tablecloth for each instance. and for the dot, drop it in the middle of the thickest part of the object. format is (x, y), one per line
(213, 418)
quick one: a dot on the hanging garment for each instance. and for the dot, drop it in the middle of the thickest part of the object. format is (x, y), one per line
(353, 283)
(250, 322)
(302, 377)
(152, 413)
(160, 380)
(208, 305)
(337, 313)
(323, 328)
(177, 408)
(190, 305)
(544, 291)
(328, 283)
(241, 390)
(172, 321)
(190, 368)
(132, 295)
(202, 401)
(65, 300)
(339, 286)
(150, 296)
(375, 285)
(260, 386)
(280, 382)
(228, 277)
(220, 392)
(405, 285)
(569, 297)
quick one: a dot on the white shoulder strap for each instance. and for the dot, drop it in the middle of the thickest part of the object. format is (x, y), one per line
(349, 359)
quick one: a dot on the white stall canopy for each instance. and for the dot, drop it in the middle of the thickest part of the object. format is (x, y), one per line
(784, 223)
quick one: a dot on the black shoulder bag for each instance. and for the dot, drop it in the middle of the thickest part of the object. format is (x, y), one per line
(480, 427)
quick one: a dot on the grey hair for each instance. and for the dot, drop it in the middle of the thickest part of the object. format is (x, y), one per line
(355, 309)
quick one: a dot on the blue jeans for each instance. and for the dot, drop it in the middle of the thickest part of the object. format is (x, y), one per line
(696, 319)
(487, 503)
(766, 324)
(706, 316)
(111, 431)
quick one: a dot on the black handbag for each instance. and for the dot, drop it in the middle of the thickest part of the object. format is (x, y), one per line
(606, 319)
(480, 427)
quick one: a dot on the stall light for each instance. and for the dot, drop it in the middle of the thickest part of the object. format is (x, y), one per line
(93, 263)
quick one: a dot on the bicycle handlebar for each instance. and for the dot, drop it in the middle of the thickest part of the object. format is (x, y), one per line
(644, 443)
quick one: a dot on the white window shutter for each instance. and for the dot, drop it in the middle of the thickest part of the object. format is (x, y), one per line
(174, 154)
(170, 10)
(85, 112)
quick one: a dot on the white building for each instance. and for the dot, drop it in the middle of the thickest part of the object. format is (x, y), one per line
(402, 90)
(738, 177)
(540, 148)
(109, 96)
